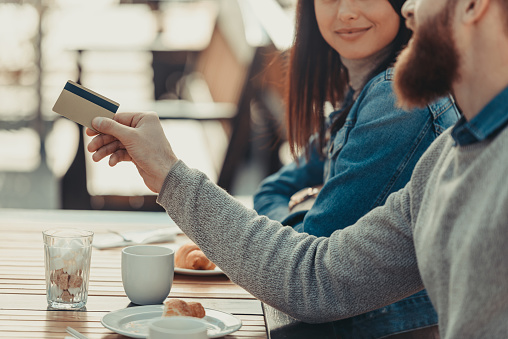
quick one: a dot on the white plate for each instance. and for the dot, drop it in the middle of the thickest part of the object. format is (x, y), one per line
(134, 321)
(215, 271)
(187, 271)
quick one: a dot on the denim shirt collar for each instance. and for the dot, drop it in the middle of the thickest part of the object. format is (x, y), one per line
(487, 123)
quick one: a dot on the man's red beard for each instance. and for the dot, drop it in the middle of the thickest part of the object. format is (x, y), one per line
(427, 68)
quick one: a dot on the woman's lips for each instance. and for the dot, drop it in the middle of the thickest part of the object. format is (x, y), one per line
(351, 33)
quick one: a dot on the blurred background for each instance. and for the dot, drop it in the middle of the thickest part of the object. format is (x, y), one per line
(212, 69)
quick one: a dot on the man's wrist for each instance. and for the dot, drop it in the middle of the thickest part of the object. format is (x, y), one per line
(164, 171)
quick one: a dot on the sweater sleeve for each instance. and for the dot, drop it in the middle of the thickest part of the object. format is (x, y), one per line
(357, 269)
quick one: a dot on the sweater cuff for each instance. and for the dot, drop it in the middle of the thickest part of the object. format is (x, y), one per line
(172, 179)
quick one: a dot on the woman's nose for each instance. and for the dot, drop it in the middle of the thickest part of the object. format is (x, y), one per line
(347, 10)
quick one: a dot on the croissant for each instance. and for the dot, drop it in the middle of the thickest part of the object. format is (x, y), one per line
(191, 257)
(197, 309)
(177, 307)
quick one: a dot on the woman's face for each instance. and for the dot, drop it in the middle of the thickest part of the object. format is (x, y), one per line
(357, 28)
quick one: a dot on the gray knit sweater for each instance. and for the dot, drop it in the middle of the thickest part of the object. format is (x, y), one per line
(448, 228)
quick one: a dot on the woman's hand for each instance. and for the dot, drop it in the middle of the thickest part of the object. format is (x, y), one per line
(304, 199)
(136, 137)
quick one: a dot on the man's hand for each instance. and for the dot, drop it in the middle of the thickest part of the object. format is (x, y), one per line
(136, 137)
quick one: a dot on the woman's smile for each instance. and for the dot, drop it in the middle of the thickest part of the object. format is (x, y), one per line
(352, 33)
(357, 29)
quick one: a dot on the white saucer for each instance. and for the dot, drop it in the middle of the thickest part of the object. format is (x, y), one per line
(216, 271)
(133, 322)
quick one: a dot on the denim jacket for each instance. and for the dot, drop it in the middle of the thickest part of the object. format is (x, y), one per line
(371, 156)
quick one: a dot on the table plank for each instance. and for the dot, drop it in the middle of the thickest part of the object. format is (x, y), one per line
(109, 303)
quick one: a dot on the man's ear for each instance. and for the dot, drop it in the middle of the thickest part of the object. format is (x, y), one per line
(471, 11)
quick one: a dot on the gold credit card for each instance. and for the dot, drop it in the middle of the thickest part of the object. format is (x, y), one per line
(81, 105)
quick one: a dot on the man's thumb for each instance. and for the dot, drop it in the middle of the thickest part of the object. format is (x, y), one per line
(97, 123)
(106, 126)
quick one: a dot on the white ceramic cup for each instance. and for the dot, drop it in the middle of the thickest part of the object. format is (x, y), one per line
(147, 273)
(178, 328)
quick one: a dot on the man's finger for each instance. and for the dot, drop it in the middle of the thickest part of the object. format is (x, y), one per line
(100, 141)
(106, 150)
(91, 132)
(119, 156)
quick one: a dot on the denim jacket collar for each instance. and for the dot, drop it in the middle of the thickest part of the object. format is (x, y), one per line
(486, 124)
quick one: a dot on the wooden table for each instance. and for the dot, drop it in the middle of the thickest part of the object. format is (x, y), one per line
(23, 306)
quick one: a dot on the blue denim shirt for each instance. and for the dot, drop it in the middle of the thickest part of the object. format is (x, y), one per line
(486, 124)
(371, 156)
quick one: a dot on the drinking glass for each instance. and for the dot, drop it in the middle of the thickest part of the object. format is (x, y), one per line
(67, 254)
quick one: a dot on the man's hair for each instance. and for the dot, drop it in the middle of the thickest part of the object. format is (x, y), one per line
(316, 75)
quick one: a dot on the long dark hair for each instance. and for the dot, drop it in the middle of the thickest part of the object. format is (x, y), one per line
(316, 75)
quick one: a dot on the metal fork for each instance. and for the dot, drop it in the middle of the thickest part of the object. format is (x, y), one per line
(121, 235)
